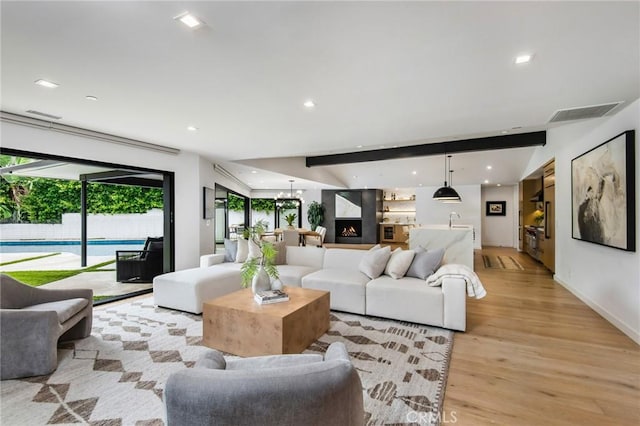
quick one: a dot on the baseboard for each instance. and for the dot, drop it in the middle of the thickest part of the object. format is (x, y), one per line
(633, 334)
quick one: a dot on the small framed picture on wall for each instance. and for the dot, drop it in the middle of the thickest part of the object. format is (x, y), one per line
(496, 208)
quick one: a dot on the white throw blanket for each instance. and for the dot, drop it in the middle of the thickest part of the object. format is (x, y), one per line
(474, 286)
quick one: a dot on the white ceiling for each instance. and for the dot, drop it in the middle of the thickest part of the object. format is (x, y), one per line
(381, 73)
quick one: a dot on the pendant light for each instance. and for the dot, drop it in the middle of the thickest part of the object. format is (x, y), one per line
(294, 198)
(447, 194)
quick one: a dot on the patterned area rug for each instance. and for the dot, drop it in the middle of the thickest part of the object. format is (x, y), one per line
(116, 376)
(501, 262)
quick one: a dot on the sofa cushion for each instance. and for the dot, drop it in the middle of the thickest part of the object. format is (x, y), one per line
(425, 263)
(64, 308)
(341, 258)
(291, 275)
(406, 299)
(230, 250)
(347, 287)
(306, 256)
(374, 262)
(243, 250)
(255, 251)
(398, 263)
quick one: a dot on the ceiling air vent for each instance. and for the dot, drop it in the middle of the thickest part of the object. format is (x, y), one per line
(580, 113)
(43, 114)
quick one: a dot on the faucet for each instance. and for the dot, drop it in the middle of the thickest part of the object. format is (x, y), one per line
(451, 216)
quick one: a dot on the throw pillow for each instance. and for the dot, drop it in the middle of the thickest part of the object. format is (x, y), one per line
(281, 257)
(254, 250)
(243, 250)
(374, 261)
(399, 262)
(425, 263)
(230, 250)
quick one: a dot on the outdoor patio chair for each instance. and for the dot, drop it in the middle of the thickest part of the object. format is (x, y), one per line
(140, 266)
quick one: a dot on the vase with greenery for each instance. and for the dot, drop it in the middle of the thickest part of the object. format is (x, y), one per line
(315, 214)
(258, 271)
(290, 218)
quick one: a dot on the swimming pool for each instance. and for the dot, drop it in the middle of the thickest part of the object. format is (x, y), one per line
(94, 247)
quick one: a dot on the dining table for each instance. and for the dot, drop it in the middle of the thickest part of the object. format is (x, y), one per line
(301, 231)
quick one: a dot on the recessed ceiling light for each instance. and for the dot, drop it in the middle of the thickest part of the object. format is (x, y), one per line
(91, 98)
(309, 104)
(189, 20)
(254, 171)
(366, 187)
(395, 146)
(414, 172)
(358, 146)
(192, 128)
(504, 132)
(45, 83)
(355, 177)
(499, 184)
(486, 181)
(523, 59)
(382, 146)
(419, 184)
(489, 167)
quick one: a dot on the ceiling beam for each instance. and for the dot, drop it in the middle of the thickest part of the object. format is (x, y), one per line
(520, 140)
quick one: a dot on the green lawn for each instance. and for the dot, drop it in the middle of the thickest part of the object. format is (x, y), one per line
(38, 278)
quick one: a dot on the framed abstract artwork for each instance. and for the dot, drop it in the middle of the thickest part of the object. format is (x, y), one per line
(603, 193)
(496, 208)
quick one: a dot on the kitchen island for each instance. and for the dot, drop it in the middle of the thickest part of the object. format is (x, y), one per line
(457, 241)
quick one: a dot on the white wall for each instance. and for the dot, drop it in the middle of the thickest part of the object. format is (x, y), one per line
(186, 166)
(109, 226)
(500, 231)
(606, 279)
(434, 212)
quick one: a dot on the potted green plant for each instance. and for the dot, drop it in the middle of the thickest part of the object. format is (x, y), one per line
(258, 271)
(315, 214)
(290, 218)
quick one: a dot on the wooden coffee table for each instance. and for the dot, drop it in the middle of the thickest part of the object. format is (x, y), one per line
(237, 324)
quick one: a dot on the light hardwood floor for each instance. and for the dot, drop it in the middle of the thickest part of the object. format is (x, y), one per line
(534, 354)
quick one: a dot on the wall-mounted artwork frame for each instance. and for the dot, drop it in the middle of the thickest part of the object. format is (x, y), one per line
(208, 203)
(603, 204)
(496, 208)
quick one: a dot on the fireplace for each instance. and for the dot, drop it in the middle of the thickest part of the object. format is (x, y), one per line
(348, 228)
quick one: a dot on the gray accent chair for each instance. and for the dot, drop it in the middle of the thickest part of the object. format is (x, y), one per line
(270, 390)
(32, 320)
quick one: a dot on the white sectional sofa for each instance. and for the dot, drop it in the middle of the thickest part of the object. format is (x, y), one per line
(186, 290)
(335, 270)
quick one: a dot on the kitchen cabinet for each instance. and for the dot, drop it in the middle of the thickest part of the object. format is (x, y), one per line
(395, 235)
(547, 241)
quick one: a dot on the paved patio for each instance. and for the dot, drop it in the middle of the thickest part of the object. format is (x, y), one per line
(102, 281)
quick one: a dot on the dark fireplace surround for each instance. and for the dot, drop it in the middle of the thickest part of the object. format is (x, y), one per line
(366, 226)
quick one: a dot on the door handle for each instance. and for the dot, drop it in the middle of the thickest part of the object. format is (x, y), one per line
(546, 220)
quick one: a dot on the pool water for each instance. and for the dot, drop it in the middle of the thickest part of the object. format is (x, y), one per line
(94, 247)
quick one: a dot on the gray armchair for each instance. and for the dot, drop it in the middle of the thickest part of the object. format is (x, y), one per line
(33, 320)
(270, 390)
